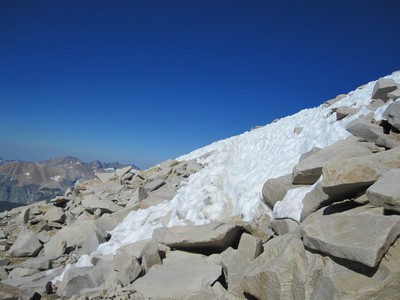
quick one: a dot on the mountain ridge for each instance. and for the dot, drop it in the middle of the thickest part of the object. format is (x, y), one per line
(27, 182)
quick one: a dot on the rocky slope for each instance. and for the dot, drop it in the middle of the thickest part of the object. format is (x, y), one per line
(27, 182)
(333, 233)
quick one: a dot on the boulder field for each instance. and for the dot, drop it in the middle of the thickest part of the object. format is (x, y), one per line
(344, 245)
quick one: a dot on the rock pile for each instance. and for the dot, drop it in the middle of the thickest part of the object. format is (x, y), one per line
(39, 240)
(343, 245)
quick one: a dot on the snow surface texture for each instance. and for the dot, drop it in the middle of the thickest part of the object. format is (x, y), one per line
(236, 169)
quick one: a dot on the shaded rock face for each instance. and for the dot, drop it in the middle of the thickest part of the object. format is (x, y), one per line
(27, 182)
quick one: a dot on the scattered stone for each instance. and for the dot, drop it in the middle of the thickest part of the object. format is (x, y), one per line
(382, 88)
(2, 234)
(39, 263)
(298, 130)
(84, 235)
(76, 279)
(364, 129)
(212, 237)
(336, 99)
(23, 217)
(61, 200)
(137, 197)
(309, 170)
(389, 141)
(55, 214)
(121, 172)
(314, 200)
(154, 185)
(375, 104)
(284, 226)
(385, 191)
(185, 279)
(275, 189)
(105, 177)
(395, 94)
(346, 178)
(344, 111)
(94, 203)
(146, 250)
(27, 244)
(4, 261)
(21, 272)
(283, 271)
(362, 238)
(392, 115)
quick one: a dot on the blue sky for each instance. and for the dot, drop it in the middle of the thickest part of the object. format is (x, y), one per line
(143, 81)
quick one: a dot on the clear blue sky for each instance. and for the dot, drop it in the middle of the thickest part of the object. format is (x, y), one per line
(143, 81)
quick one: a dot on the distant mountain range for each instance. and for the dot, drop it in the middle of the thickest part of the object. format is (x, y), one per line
(27, 182)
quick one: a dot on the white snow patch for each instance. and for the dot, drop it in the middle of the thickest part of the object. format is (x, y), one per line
(236, 169)
(56, 178)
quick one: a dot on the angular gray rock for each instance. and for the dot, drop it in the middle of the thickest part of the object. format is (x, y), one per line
(21, 272)
(40, 263)
(385, 191)
(121, 172)
(78, 278)
(392, 114)
(395, 94)
(54, 214)
(275, 189)
(344, 111)
(214, 237)
(363, 238)
(137, 197)
(389, 141)
(382, 88)
(154, 185)
(298, 130)
(334, 100)
(237, 260)
(283, 271)
(84, 235)
(93, 202)
(309, 170)
(127, 267)
(364, 129)
(145, 250)
(185, 279)
(27, 244)
(345, 178)
(314, 200)
(284, 226)
(105, 177)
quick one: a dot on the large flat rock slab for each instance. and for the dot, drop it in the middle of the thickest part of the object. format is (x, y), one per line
(213, 237)
(346, 177)
(363, 238)
(184, 279)
(309, 170)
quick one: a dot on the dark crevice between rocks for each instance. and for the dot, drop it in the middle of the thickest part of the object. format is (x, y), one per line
(386, 126)
(222, 280)
(249, 297)
(341, 207)
(349, 264)
(389, 212)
